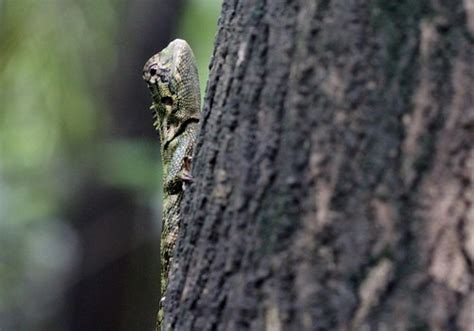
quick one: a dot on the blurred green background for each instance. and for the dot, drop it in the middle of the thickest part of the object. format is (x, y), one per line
(79, 161)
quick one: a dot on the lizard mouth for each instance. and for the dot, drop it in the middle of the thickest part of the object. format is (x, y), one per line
(180, 130)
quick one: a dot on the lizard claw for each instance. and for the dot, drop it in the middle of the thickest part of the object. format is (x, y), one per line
(187, 163)
(186, 176)
(187, 179)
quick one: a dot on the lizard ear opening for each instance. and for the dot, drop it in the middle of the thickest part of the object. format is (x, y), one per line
(167, 101)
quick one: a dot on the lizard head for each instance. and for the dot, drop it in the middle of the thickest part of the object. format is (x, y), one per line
(172, 77)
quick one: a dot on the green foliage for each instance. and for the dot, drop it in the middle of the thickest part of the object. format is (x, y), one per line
(48, 106)
(49, 115)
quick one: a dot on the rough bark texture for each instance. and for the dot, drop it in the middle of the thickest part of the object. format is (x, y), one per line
(334, 170)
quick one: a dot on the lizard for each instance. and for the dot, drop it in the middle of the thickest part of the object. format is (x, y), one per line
(172, 79)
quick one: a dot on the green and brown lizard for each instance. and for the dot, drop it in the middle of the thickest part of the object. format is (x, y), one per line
(172, 78)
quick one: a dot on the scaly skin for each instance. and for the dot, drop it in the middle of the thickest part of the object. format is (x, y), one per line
(173, 80)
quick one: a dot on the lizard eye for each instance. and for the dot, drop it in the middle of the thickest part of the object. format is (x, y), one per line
(167, 101)
(152, 71)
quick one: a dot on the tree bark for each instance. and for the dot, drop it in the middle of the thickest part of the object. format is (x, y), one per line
(334, 171)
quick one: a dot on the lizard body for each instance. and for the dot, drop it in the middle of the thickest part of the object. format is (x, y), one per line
(172, 78)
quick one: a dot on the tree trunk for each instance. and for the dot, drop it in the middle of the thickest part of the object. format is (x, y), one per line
(334, 171)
